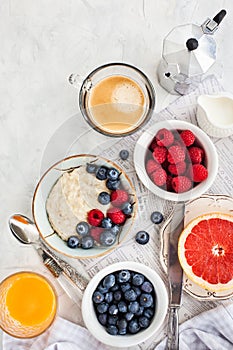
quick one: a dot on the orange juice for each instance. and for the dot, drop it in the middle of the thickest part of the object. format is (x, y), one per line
(29, 304)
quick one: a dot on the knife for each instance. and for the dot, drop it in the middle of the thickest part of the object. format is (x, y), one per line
(175, 276)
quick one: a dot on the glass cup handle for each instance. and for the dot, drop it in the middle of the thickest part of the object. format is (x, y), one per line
(76, 80)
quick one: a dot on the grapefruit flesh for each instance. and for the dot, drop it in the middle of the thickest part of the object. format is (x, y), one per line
(206, 251)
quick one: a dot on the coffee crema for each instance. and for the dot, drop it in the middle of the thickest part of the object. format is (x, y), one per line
(116, 103)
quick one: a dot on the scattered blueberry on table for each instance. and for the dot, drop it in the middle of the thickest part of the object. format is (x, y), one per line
(124, 302)
(124, 154)
(142, 237)
(156, 217)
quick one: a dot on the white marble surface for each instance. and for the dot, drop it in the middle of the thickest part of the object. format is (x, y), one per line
(42, 42)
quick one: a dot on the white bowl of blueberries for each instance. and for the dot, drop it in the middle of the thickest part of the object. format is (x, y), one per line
(125, 304)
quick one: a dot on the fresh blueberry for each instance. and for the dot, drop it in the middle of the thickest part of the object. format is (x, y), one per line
(115, 229)
(123, 276)
(102, 289)
(106, 223)
(130, 295)
(103, 319)
(82, 228)
(91, 168)
(117, 295)
(127, 208)
(144, 322)
(113, 310)
(138, 279)
(124, 154)
(137, 290)
(73, 242)
(112, 184)
(108, 297)
(156, 217)
(101, 173)
(115, 287)
(122, 306)
(112, 330)
(134, 327)
(140, 311)
(87, 242)
(142, 237)
(102, 308)
(133, 307)
(149, 312)
(104, 198)
(109, 281)
(113, 174)
(129, 316)
(147, 287)
(122, 331)
(112, 320)
(107, 238)
(97, 297)
(125, 287)
(146, 300)
(122, 324)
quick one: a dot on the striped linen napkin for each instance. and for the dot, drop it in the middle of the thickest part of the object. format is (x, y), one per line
(62, 335)
(211, 330)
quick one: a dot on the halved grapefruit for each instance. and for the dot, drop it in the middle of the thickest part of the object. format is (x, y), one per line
(205, 250)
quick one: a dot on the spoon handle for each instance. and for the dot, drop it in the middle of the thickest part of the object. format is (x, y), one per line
(79, 280)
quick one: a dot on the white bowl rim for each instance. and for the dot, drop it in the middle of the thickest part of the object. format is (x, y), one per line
(95, 327)
(139, 163)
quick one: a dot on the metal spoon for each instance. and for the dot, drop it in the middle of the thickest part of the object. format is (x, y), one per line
(26, 232)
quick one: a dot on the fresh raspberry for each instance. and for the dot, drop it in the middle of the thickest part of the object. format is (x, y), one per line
(177, 169)
(160, 154)
(169, 183)
(176, 154)
(116, 215)
(200, 173)
(153, 144)
(188, 137)
(196, 154)
(95, 233)
(119, 197)
(151, 166)
(94, 217)
(164, 137)
(159, 177)
(181, 184)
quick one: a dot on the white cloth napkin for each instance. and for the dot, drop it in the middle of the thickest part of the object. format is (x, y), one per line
(62, 335)
(211, 330)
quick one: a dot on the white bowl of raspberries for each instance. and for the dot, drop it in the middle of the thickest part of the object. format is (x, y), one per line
(176, 160)
(124, 304)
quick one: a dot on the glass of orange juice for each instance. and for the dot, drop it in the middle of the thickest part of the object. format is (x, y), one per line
(28, 304)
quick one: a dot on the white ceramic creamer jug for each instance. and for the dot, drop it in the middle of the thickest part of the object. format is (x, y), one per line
(215, 114)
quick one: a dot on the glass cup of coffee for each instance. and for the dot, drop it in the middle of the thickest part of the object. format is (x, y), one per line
(116, 99)
(28, 304)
